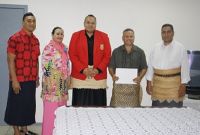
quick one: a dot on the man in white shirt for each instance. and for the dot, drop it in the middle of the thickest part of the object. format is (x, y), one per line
(168, 71)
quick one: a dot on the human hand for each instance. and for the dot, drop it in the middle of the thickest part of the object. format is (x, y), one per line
(137, 80)
(37, 83)
(182, 90)
(94, 72)
(115, 78)
(16, 87)
(87, 72)
(149, 88)
(69, 84)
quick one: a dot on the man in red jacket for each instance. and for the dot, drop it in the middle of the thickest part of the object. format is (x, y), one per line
(89, 52)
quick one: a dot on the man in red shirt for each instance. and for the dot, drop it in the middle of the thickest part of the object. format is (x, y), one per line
(89, 52)
(22, 55)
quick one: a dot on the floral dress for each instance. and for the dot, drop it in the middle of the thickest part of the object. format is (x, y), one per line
(56, 72)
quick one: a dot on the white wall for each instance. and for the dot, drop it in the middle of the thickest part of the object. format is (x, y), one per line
(113, 16)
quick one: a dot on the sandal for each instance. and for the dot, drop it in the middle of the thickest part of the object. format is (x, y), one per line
(28, 132)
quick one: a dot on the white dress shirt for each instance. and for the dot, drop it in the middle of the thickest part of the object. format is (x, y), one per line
(169, 56)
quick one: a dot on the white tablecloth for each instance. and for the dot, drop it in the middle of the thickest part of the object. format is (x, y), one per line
(126, 121)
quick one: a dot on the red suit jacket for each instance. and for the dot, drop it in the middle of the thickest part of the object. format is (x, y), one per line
(78, 53)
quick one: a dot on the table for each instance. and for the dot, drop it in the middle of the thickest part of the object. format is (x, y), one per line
(126, 121)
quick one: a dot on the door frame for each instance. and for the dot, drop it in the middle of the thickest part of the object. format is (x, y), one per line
(23, 8)
(13, 6)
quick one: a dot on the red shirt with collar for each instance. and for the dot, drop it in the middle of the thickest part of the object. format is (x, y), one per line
(26, 49)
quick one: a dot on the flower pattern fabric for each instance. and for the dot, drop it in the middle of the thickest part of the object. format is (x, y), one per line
(56, 72)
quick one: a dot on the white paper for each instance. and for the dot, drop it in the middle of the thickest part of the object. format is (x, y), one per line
(126, 75)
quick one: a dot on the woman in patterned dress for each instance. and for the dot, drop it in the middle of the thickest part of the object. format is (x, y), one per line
(55, 79)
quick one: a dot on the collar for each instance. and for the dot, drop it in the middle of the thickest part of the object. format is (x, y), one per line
(24, 33)
(88, 36)
(167, 46)
(134, 48)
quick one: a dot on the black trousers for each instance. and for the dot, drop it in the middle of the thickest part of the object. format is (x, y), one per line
(89, 97)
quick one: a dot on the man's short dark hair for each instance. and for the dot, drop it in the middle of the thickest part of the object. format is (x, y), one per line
(27, 14)
(168, 25)
(128, 29)
(90, 15)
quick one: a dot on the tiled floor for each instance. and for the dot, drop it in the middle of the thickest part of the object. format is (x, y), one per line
(7, 130)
